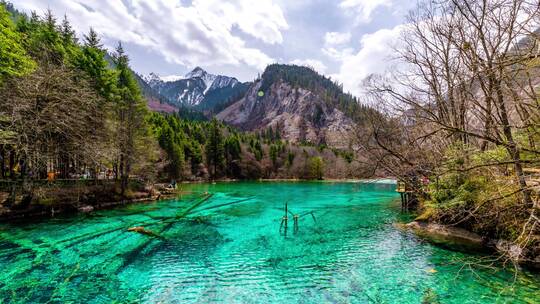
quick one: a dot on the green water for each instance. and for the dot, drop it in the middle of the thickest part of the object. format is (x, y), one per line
(350, 252)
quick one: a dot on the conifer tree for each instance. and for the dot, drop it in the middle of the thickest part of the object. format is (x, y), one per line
(131, 111)
(92, 61)
(92, 40)
(14, 60)
(215, 148)
(68, 34)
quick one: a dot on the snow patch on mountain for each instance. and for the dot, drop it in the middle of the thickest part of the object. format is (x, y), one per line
(171, 78)
(153, 78)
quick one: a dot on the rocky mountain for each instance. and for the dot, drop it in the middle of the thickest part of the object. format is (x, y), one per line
(198, 89)
(300, 104)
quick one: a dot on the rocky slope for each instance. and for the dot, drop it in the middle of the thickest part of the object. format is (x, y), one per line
(298, 113)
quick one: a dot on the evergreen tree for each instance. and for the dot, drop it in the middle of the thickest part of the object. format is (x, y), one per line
(290, 158)
(233, 153)
(215, 148)
(92, 40)
(14, 61)
(92, 61)
(316, 166)
(46, 42)
(232, 147)
(131, 111)
(274, 151)
(170, 142)
(68, 34)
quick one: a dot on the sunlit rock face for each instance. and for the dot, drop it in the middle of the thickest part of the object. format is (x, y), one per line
(299, 115)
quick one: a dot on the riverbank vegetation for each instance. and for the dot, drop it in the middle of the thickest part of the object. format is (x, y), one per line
(464, 129)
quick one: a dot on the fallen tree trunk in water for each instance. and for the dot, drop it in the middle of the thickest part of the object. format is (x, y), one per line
(141, 230)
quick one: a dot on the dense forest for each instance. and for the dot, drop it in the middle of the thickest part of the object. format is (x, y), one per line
(203, 150)
(66, 112)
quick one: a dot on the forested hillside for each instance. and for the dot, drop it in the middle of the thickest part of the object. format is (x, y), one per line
(331, 92)
(208, 150)
(302, 105)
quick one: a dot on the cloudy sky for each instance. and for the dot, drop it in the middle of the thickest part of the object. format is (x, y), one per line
(345, 39)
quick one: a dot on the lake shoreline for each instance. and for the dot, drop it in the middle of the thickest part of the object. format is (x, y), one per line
(157, 192)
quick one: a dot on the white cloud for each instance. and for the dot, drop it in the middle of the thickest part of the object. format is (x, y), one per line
(376, 56)
(337, 54)
(187, 35)
(364, 9)
(263, 20)
(312, 63)
(335, 38)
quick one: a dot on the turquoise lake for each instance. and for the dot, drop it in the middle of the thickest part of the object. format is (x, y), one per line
(229, 249)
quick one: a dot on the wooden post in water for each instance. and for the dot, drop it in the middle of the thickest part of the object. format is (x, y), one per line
(285, 218)
(284, 221)
(401, 188)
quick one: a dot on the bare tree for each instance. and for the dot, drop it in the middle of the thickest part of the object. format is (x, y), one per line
(51, 121)
(469, 84)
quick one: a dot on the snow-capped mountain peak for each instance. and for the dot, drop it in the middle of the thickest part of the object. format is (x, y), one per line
(154, 78)
(193, 88)
(206, 77)
(151, 78)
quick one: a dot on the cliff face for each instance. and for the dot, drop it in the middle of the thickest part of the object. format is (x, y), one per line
(298, 114)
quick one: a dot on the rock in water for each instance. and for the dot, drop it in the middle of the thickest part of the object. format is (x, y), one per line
(86, 209)
(451, 237)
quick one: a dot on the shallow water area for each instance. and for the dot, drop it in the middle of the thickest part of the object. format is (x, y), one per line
(233, 248)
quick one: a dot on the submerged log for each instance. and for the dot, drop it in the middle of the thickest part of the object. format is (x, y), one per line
(141, 230)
